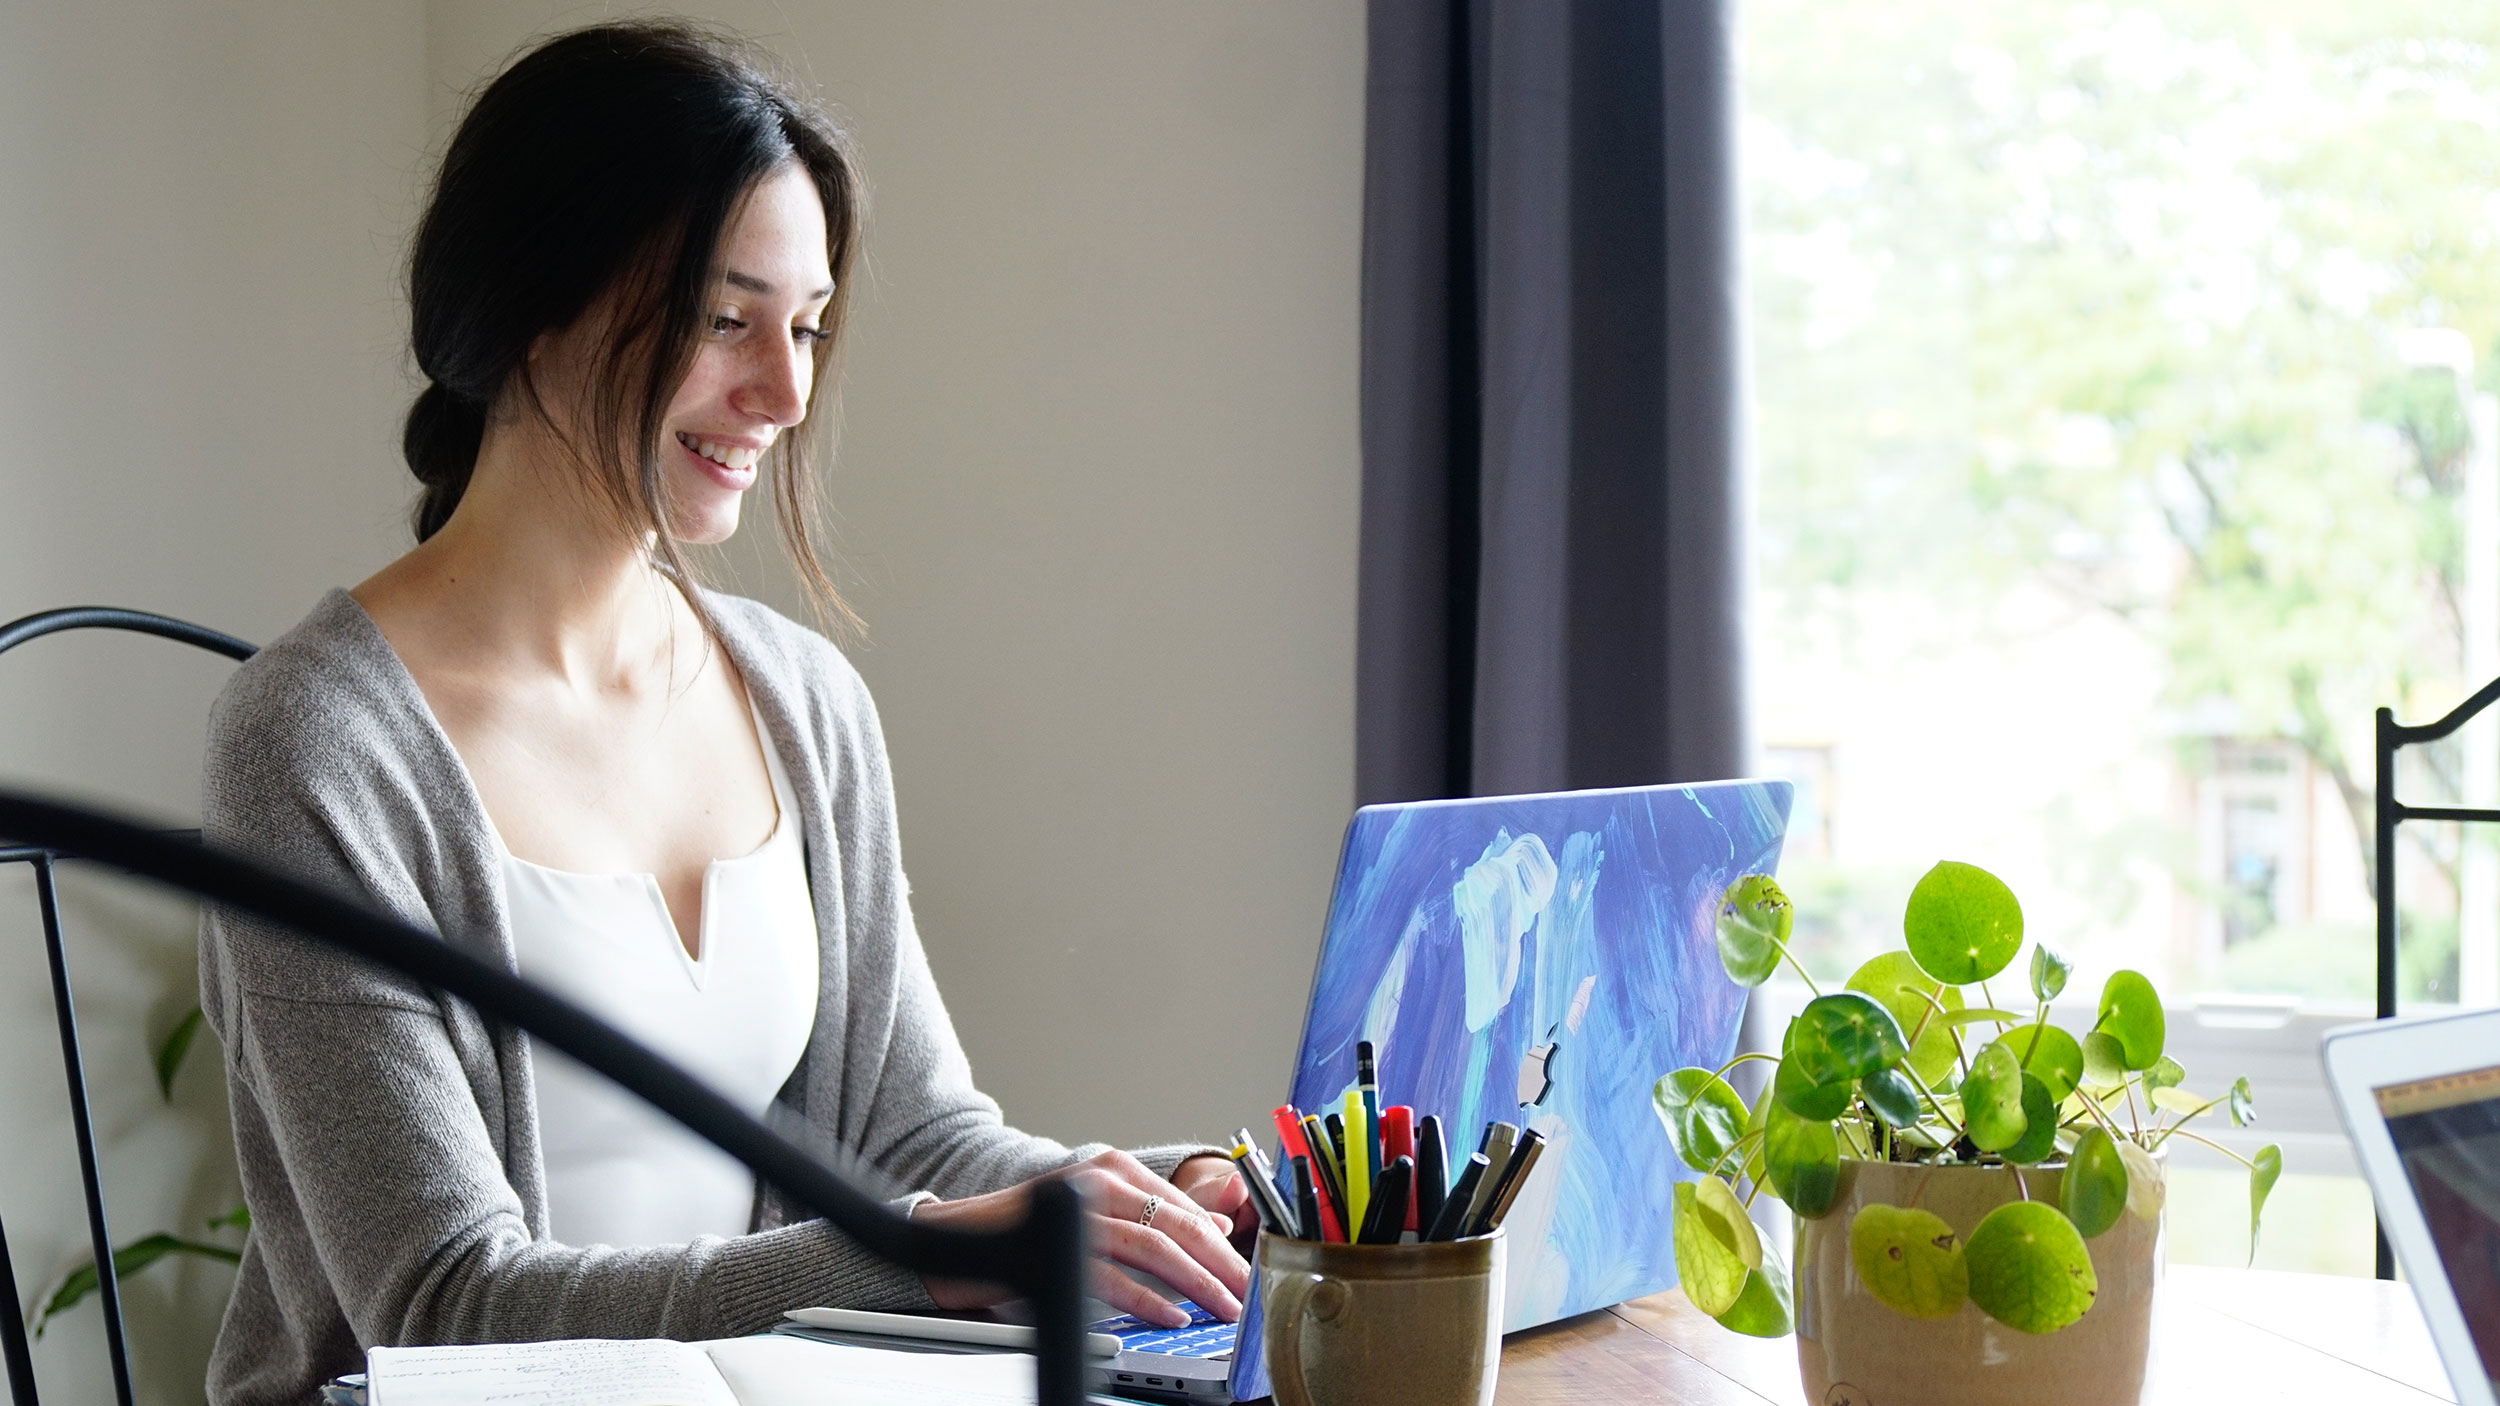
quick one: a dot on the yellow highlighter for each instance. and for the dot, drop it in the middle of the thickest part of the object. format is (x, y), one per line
(1358, 1170)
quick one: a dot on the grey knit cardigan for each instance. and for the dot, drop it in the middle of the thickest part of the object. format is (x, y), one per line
(388, 1137)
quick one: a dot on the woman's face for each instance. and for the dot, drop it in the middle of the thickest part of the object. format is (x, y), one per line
(756, 362)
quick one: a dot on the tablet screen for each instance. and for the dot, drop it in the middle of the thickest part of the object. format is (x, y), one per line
(2447, 1133)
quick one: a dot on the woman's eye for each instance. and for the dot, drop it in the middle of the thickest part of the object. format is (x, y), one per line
(806, 336)
(723, 323)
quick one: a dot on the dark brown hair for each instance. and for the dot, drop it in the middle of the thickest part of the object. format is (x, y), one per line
(612, 160)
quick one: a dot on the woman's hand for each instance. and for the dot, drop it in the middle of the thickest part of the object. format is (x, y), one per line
(1215, 1184)
(1134, 1220)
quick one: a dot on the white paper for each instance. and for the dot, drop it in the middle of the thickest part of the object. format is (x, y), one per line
(777, 1370)
(572, 1372)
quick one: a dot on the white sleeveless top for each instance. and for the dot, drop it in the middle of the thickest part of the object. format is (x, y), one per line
(738, 1016)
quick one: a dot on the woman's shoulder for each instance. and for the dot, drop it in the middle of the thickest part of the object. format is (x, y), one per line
(798, 660)
(327, 690)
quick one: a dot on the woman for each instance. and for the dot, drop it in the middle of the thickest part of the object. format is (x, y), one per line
(536, 734)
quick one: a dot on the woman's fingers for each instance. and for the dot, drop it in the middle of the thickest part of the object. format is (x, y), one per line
(1205, 1235)
(1147, 1248)
(1130, 1297)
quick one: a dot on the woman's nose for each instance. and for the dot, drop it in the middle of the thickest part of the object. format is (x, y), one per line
(776, 383)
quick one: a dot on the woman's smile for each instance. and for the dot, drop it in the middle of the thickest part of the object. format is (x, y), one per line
(732, 466)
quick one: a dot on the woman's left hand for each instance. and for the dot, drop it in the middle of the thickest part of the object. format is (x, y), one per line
(1215, 1184)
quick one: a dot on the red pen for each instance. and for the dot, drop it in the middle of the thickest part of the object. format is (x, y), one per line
(1289, 1127)
(1397, 1139)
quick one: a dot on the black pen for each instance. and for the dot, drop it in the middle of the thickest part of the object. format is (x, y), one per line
(1385, 1221)
(1331, 1176)
(1432, 1172)
(1336, 1142)
(1495, 1149)
(1503, 1181)
(1446, 1225)
(1306, 1199)
(1521, 1164)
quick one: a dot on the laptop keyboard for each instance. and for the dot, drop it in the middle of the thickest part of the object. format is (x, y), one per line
(1204, 1335)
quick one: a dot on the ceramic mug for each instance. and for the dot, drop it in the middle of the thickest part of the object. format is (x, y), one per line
(1350, 1325)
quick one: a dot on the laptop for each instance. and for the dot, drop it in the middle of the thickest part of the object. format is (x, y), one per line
(1537, 960)
(2421, 1100)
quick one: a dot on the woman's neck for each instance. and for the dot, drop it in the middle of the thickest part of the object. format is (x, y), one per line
(533, 572)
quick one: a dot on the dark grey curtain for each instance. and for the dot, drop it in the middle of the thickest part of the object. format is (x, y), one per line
(1552, 548)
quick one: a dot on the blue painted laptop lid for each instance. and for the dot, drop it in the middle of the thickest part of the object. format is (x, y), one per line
(1539, 960)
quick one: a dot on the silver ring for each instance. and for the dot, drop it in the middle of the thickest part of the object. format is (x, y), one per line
(1147, 1217)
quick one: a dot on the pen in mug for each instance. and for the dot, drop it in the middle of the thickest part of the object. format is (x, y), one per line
(1294, 1128)
(1522, 1161)
(1367, 1083)
(1273, 1212)
(1500, 1180)
(1387, 1221)
(1361, 1163)
(1306, 1199)
(1446, 1225)
(1432, 1173)
(1495, 1149)
(1397, 1139)
(1331, 1188)
(1336, 1142)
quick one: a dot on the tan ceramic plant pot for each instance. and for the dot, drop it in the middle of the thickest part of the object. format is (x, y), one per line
(1855, 1351)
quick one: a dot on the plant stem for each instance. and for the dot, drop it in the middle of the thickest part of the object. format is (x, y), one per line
(2021, 1187)
(1930, 1096)
(2163, 1135)
(2218, 1147)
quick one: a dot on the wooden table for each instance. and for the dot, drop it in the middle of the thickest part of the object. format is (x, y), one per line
(2225, 1336)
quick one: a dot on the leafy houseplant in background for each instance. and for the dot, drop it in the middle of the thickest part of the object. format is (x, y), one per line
(81, 1281)
(1978, 1191)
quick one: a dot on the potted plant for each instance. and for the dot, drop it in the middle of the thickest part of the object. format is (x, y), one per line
(1978, 1191)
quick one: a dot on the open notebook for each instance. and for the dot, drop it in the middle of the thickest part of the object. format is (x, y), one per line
(726, 1372)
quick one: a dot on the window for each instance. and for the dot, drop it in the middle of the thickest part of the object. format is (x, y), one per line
(2119, 409)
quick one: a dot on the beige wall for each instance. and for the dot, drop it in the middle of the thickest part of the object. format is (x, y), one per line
(199, 368)
(1097, 502)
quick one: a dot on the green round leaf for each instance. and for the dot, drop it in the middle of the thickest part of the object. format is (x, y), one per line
(1762, 1308)
(1896, 983)
(1910, 1260)
(2166, 1073)
(1992, 1099)
(1806, 1098)
(1702, 1115)
(2048, 1054)
(1893, 1097)
(2264, 1168)
(1846, 1036)
(2094, 1191)
(2029, 1269)
(2104, 1059)
(1706, 1262)
(1754, 923)
(2243, 1104)
(1718, 1200)
(1963, 924)
(1755, 1123)
(2131, 1015)
(1801, 1157)
(2048, 972)
(2039, 1139)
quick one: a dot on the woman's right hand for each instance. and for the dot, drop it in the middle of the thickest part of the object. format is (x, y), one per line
(1183, 1245)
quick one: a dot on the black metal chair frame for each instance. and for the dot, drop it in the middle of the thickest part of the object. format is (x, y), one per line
(1043, 1257)
(2394, 736)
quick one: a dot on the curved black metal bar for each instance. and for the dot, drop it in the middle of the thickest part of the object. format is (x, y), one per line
(110, 617)
(1043, 1257)
(73, 1064)
(2456, 717)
